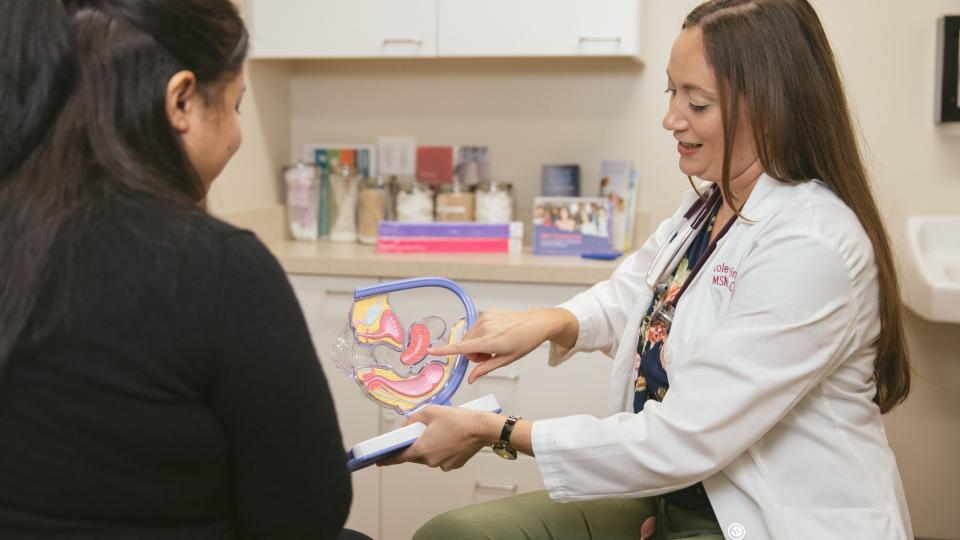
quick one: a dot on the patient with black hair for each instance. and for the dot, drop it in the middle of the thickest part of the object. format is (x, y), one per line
(157, 378)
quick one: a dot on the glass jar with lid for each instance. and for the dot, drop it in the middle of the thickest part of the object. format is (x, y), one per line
(376, 205)
(345, 180)
(414, 202)
(303, 200)
(454, 203)
(495, 202)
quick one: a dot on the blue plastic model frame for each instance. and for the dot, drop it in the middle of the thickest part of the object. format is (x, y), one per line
(460, 369)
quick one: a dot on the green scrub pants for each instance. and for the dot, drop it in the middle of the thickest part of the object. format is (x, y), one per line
(533, 516)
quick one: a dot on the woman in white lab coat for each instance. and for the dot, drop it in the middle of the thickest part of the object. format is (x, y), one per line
(756, 336)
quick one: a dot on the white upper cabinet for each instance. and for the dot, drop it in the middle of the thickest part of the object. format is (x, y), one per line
(446, 28)
(342, 29)
(538, 28)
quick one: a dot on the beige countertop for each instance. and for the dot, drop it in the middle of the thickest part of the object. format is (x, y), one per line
(350, 259)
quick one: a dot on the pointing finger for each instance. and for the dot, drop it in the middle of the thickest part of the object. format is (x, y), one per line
(469, 346)
(487, 367)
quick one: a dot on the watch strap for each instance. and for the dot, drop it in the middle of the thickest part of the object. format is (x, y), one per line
(503, 448)
(508, 430)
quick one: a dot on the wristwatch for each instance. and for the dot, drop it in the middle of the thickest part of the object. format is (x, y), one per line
(503, 448)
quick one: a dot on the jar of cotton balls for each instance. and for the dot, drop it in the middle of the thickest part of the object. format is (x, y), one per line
(494, 202)
(415, 203)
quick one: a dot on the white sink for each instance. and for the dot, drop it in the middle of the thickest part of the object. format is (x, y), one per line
(931, 273)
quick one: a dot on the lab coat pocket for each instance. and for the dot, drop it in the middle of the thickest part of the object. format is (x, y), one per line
(841, 523)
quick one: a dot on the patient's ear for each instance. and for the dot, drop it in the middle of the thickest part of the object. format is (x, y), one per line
(183, 101)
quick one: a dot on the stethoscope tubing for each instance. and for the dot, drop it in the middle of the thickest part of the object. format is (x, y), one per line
(696, 216)
(693, 220)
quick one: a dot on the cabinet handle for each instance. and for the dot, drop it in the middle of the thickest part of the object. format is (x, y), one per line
(506, 488)
(596, 38)
(513, 377)
(338, 292)
(402, 41)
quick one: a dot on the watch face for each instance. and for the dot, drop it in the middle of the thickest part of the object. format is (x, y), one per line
(506, 452)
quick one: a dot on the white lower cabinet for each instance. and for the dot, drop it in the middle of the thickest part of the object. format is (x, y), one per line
(392, 502)
(326, 302)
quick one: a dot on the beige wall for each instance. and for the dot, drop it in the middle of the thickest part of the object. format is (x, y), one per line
(925, 430)
(250, 179)
(548, 111)
(529, 111)
(887, 53)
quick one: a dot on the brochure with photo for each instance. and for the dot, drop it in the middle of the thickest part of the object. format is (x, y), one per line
(572, 225)
(560, 181)
(618, 182)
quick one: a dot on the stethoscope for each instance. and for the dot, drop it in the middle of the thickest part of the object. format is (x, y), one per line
(693, 222)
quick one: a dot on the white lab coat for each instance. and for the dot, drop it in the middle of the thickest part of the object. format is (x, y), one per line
(770, 362)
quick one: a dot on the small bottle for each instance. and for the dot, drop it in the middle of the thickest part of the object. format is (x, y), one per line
(303, 200)
(495, 202)
(345, 181)
(454, 203)
(375, 206)
(415, 202)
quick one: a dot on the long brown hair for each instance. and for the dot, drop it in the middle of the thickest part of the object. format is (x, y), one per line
(775, 55)
(87, 96)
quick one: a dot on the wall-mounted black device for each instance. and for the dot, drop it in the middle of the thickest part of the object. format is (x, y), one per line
(948, 68)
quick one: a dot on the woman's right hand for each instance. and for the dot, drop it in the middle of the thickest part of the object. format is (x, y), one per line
(499, 337)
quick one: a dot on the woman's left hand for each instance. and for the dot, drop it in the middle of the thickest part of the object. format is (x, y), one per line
(453, 436)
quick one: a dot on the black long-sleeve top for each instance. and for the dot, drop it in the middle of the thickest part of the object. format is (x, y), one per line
(177, 394)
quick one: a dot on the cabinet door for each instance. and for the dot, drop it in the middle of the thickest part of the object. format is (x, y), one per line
(326, 303)
(538, 28)
(337, 29)
(529, 388)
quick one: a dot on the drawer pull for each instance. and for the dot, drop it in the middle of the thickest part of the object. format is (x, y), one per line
(339, 292)
(402, 41)
(506, 488)
(589, 38)
(512, 377)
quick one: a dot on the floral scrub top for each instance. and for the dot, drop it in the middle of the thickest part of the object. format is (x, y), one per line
(652, 380)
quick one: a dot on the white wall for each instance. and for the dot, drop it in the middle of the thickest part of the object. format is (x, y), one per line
(546, 111)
